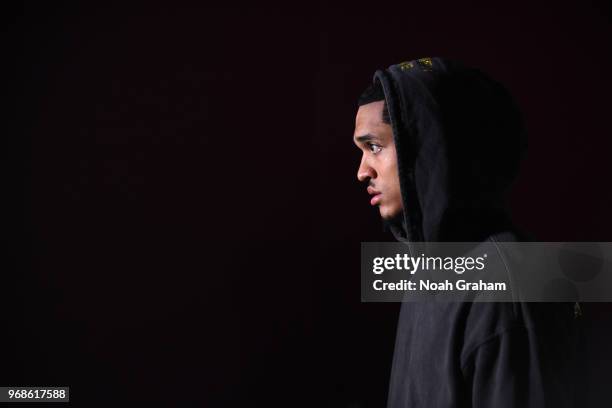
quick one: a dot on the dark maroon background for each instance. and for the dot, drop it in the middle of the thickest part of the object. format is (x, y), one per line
(192, 215)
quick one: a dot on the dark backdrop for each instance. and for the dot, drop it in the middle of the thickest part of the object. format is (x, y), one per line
(188, 213)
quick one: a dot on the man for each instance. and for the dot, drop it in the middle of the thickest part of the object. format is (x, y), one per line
(441, 144)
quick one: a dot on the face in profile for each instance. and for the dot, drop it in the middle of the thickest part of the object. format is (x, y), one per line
(378, 166)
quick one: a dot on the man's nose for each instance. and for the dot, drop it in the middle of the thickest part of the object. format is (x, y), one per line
(365, 171)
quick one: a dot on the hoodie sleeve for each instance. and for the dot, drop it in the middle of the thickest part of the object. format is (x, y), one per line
(520, 368)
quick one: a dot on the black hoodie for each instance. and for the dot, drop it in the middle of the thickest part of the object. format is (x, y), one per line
(459, 139)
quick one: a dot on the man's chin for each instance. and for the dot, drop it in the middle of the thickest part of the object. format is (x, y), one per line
(388, 214)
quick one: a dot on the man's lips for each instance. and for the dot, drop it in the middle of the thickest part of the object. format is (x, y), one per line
(376, 196)
(375, 199)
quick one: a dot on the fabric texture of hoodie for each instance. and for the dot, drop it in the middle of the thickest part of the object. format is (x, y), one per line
(459, 138)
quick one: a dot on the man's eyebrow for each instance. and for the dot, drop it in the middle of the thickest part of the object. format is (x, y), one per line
(365, 138)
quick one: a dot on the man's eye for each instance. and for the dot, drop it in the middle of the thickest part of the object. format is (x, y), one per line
(374, 148)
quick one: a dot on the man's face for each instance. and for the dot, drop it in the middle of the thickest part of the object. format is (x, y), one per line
(378, 165)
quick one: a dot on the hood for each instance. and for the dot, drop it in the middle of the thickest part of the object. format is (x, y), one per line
(459, 138)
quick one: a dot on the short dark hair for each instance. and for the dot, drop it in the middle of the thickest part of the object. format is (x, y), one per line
(375, 93)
